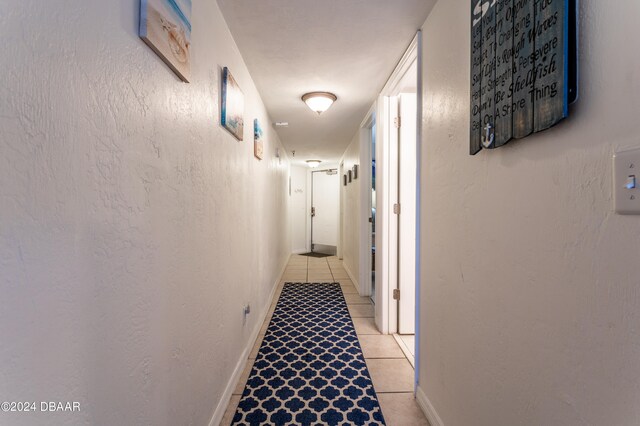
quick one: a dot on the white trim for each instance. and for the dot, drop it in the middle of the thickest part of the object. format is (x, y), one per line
(367, 122)
(218, 414)
(401, 69)
(382, 219)
(365, 201)
(419, 113)
(386, 272)
(307, 211)
(427, 408)
(390, 182)
(407, 186)
(407, 351)
(340, 247)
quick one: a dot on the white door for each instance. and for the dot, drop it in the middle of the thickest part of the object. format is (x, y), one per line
(407, 216)
(325, 204)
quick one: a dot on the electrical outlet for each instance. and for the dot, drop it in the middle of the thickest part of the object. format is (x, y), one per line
(246, 310)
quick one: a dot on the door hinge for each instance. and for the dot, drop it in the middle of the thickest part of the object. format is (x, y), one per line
(396, 294)
(396, 209)
(398, 122)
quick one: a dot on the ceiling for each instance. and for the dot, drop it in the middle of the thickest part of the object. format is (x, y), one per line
(347, 47)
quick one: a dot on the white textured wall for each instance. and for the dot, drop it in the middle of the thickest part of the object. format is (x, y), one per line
(351, 220)
(132, 226)
(530, 293)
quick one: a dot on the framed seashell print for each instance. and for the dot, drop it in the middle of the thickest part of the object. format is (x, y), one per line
(232, 111)
(165, 26)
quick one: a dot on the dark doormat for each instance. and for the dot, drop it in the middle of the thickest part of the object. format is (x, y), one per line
(314, 254)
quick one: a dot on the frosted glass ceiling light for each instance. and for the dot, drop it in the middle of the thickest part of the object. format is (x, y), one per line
(313, 163)
(319, 101)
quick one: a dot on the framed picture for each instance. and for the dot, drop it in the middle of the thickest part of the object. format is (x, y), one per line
(165, 26)
(355, 171)
(258, 140)
(344, 180)
(349, 176)
(535, 88)
(232, 111)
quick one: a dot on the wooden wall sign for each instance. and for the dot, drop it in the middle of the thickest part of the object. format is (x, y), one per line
(523, 68)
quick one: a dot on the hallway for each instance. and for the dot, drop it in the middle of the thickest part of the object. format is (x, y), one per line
(390, 371)
(157, 163)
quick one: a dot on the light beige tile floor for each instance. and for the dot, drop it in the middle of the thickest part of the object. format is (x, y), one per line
(365, 326)
(356, 299)
(401, 409)
(391, 373)
(360, 311)
(380, 346)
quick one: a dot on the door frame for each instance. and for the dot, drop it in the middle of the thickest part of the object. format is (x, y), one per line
(310, 172)
(386, 246)
(341, 218)
(386, 310)
(406, 267)
(364, 172)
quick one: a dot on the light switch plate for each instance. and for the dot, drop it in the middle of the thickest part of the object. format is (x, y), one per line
(626, 169)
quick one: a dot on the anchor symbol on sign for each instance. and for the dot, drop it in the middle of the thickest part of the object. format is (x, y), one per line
(489, 136)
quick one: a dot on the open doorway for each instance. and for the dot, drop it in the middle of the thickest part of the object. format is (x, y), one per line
(397, 214)
(372, 205)
(325, 204)
(402, 125)
(404, 209)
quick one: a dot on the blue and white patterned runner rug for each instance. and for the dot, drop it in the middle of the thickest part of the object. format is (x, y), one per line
(310, 369)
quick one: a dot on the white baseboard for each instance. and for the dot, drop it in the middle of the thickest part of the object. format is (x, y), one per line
(218, 414)
(427, 408)
(300, 251)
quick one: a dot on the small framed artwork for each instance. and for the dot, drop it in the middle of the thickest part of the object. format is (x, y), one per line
(258, 140)
(349, 175)
(344, 180)
(232, 111)
(355, 171)
(165, 26)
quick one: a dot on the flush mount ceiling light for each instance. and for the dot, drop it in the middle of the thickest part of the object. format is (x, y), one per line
(319, 101)
(313, 163)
